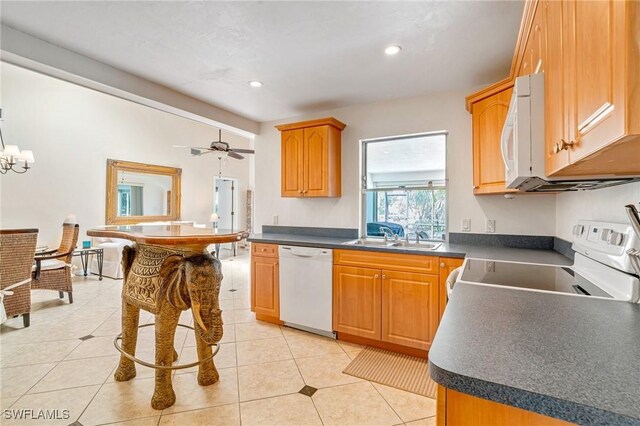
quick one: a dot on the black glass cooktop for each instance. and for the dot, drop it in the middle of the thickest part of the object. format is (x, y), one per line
(528, 276)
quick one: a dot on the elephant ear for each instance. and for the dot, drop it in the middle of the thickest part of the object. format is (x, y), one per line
(172, 277)
(128, 254)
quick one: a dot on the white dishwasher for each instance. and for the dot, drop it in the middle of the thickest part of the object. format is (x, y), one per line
(306, 288)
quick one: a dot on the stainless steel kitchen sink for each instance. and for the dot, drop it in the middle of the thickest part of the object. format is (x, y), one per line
(422, 245)
(400, 244)
(368, 242)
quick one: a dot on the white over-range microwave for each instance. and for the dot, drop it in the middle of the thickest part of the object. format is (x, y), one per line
(523, 144)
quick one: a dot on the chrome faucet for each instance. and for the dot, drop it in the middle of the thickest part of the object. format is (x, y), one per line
(386, 231)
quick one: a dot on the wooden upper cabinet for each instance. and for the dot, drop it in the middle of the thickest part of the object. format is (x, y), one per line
(311, 158)
(536, 44)
(410, 311)
(590, 57)
(489, 116)
(316, 171)
(604, 100)
(556, 91)
(292, 157)
(357, 301)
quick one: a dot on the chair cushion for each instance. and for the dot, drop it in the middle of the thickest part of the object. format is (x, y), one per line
(50, 264)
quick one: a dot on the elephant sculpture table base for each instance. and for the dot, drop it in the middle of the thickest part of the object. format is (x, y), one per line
(166, 280)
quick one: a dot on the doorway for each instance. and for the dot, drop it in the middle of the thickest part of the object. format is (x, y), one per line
(226, 206)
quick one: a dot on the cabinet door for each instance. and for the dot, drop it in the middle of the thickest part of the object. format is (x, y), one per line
(466, 410)
(292, 163)
(356, 301)
(489, 116)
(556, 92)
(597, 101)
(410, 309)
(536, 43)
(265, 290)
(316, 150)
(447, 265)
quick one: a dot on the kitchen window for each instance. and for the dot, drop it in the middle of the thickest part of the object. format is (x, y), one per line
(404, 186)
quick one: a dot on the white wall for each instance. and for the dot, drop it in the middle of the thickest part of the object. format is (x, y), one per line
(527, 214)
(601, 204)
(73, 131)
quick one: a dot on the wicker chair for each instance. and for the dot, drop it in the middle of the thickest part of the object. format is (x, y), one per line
(17, 247)
(53, 268)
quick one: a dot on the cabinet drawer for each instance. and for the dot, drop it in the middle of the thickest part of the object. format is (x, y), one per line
(389, 261)
(266, 250)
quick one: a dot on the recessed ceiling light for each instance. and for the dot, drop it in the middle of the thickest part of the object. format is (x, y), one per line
(255, 83)
(392, 50)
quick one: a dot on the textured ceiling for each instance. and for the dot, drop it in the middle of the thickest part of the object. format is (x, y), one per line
(311, 56)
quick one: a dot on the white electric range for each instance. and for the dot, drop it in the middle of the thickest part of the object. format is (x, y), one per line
(602, 267)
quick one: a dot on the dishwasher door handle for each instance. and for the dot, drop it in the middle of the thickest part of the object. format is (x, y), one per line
(306, 256)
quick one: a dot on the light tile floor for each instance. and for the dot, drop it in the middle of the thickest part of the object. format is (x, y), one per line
(262, 367)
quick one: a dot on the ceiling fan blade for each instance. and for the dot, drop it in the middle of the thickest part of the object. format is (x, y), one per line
(195, 151)
(180, 146)
(234, 155)
(244, 151)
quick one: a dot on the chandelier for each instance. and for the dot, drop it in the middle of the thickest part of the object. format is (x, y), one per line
(11, 156)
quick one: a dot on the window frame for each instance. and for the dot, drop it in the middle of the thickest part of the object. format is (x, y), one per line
(363, 179)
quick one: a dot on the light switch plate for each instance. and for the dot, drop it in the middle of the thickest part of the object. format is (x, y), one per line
(466, 225)
(275, 219)
(491, 226)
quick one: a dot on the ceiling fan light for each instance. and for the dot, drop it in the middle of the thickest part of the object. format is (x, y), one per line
(255, 83)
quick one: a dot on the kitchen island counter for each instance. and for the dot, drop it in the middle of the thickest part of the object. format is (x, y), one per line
(569, 357)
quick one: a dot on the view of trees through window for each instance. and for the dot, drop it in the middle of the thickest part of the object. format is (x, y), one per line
(405, 191)
(416, 210)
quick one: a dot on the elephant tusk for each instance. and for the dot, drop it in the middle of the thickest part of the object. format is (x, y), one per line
(195, 308)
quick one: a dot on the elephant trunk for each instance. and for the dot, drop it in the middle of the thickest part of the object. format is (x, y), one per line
(208, 324)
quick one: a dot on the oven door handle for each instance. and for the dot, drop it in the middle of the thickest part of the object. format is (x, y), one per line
(451, 279)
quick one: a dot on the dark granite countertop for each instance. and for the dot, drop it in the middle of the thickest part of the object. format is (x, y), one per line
(446, 250)
(573, 358)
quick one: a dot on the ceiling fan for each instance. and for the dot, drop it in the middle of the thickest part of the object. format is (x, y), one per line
(218, 146)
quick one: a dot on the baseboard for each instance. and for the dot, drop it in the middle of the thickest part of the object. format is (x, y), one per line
(383, 345)
(267, 318)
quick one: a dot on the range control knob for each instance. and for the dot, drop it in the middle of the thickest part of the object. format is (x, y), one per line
(615, 238)
(578, 230)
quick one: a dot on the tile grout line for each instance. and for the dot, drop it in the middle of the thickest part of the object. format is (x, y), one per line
(235, 338)
(302, 376)
(387, 402)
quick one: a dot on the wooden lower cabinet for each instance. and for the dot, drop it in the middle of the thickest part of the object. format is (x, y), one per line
(265, 290)
(357, 301)
(410, 309)
(460, 409)
(391, 298)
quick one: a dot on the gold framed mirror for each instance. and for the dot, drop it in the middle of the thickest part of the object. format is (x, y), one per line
(138, 192)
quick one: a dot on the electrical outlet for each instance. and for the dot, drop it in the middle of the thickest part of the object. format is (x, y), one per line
(275, 219)
(466, 225)
(491, 226)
